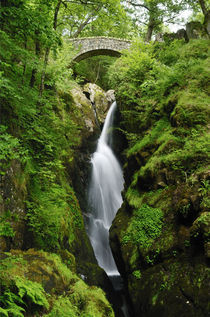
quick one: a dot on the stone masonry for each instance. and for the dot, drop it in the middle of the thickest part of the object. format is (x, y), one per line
(92, 46)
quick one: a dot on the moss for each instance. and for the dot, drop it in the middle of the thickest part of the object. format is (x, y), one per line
(191, 109)
(137, 274)
(133, 197)
(40, 283)
(63, 307)
(144, 227)
(90, 301)
(201, 226)
(165, 118)
(170, 289)
(50, 233)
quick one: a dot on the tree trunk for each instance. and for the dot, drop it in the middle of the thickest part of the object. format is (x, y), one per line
(57, 8)
(150, 29)
(25, 64)
(206, 13)
(203, 7)
(83, 25)
(34, 70)
(47, 52)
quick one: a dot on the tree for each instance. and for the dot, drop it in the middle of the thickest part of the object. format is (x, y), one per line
(154, 13)
(95, 18)
(204, 7)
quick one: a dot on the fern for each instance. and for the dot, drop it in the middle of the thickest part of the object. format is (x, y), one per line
(3, 312)
(33, 290)
(9, 299)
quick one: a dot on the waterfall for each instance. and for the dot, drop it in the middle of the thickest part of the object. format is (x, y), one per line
(104, 195)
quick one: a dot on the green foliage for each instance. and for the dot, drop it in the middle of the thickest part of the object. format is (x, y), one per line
(94, 69)
(90, 301)
(62, 204)
(133, 197)
(145, 226)
(165, 108)
(11, 303)
(42, 131)
(204, 191)
(10, 148)
(22, 295)
(59, 74)
(153, 136)
(63, 308)
(131, 70)
(6, 229)
(154, 14)
(28, 292)
(137, 274)
(32, 290)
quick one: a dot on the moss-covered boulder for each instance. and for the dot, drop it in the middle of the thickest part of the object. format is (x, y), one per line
(38, 283)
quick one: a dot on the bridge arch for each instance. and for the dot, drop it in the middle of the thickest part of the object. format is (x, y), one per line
(93, 46)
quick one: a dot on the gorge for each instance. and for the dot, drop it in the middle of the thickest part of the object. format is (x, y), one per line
(138, 190)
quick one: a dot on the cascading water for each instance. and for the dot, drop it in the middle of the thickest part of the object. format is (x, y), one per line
(105, 199)
(104, 196)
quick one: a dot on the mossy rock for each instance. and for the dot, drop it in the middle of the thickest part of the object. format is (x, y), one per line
(39, 283)
(12, 207)
(172, 288)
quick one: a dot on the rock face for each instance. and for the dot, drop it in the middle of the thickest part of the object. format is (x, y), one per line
(42, 207)
(100, 101)
(160, 236)
(160, 241)
(12, 208)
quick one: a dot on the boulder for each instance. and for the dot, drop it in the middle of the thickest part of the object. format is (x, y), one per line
(194, 30)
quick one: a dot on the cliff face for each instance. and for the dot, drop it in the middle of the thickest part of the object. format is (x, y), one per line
(160, 236)
(43, 172)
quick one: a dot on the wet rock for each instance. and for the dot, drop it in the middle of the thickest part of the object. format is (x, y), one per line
(85, 107)
(110, 95)
(100, 100)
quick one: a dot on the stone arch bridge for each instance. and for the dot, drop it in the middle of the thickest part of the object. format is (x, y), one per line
(93, 46)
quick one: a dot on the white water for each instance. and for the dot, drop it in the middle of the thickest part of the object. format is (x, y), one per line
(104, 196)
